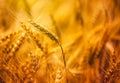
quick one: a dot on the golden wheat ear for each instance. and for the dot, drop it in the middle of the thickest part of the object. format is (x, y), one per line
(10, 44)
(50, 35)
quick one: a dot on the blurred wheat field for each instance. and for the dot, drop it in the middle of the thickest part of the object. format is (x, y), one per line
(59, 41)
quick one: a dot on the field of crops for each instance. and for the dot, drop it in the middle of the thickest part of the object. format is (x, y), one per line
(59, 41)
